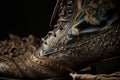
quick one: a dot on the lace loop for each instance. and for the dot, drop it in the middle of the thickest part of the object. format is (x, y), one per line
(62, 14)
(62, 20)
(52, 33)
(69, 3)
(43, 40)
(69, 11)
(57, 25)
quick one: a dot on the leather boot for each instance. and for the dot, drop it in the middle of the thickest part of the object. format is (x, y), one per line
(86, 31)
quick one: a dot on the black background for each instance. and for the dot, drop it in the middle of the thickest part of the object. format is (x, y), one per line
(25, 17)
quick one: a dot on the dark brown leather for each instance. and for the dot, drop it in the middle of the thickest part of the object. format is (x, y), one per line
(68, 59)
(53, 59)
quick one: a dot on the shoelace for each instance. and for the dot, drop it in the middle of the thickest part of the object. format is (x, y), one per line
(59, 7)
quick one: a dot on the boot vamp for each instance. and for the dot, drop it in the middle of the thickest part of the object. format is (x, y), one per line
(96, 47)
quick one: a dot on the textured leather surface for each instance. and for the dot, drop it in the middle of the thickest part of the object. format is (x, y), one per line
(57, 55)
